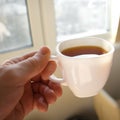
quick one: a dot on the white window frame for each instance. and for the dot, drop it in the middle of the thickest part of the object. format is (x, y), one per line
(48, 23)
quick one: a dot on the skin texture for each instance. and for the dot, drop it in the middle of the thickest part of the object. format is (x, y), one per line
(25, 85)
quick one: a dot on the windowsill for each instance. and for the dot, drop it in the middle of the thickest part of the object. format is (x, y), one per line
(85, 34)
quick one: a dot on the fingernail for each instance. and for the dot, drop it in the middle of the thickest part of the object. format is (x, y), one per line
(44, 50)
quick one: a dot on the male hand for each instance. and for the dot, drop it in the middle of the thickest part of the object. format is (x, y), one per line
(25, 85)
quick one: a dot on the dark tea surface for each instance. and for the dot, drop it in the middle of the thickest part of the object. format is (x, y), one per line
(81, 50)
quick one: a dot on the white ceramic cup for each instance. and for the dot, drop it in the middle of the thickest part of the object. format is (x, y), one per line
(85, 75)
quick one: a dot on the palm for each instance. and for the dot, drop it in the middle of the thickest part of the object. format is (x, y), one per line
(23, 98)
(24, 103)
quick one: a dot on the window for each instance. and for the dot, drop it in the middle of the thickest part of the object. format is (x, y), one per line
(97, 18)
(20, 27)
(33, 23)
(78, 17)
(14, 25)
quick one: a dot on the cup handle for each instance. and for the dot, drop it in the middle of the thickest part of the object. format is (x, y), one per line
(53, 77)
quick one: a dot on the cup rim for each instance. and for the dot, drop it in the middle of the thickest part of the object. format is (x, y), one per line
(95, 38)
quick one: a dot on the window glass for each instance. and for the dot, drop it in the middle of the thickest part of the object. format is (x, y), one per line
(14, 25)
(75, 17)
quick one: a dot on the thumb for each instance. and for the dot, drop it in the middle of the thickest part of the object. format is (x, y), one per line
(35, 64)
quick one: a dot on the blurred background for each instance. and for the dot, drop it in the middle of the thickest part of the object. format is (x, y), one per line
(25, 25)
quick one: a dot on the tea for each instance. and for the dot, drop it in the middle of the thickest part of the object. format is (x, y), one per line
(80, 50)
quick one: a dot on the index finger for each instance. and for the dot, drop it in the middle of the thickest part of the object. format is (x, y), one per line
(49, 70)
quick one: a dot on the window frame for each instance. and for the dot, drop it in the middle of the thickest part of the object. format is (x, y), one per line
(118, 33)
(48, 23)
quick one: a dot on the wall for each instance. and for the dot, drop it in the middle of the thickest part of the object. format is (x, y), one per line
(113, 84)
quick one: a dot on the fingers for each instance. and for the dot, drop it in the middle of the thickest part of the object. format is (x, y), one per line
(18, 59)
(49, 70)
(26, 56)
(45, 74)
(34, 65)
(45, 94)
(56, 87)
(40, 103)
(48, 94)
(39, 61)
